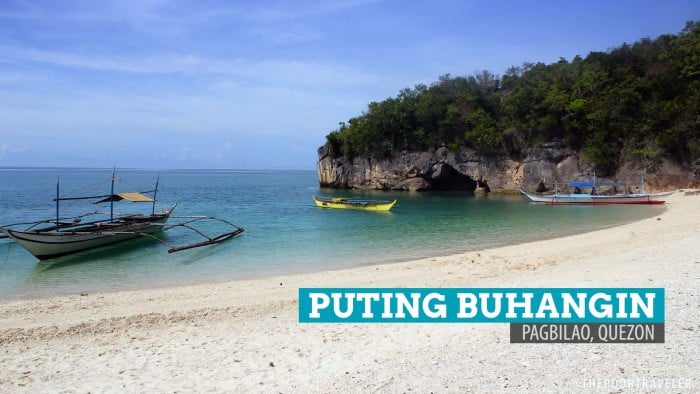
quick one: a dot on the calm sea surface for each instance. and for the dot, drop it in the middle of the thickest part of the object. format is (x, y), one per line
(285, 232)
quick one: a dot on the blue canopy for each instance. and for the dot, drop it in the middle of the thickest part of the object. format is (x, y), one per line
(581, 184)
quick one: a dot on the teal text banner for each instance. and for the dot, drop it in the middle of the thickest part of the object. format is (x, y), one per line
(481, 305)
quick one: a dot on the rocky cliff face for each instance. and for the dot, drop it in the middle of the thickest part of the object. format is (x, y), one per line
(465, 169)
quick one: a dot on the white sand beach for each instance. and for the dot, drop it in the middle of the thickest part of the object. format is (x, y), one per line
(244, 336)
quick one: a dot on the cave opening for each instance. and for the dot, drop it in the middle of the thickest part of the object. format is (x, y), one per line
(450, 179)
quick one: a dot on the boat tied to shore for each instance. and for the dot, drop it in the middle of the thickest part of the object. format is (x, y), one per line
(56, 237)
(593, 198)
(350, 203)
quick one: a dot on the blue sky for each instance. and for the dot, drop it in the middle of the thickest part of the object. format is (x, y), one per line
(258, 84)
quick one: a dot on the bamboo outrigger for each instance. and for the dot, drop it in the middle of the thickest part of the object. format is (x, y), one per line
(58, 237)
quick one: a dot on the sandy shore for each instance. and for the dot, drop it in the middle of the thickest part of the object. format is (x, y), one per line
(244, 336)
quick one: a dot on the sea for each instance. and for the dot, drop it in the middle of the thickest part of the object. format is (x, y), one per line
(285, 233)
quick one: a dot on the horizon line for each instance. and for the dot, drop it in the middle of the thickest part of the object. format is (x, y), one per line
(147, 169)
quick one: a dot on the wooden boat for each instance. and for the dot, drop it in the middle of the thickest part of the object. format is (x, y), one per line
(348, 203)
(57, 237)
(591, 199)
(65, 239)
(579, 198)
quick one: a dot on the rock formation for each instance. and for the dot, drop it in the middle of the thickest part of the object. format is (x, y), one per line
(466, 170)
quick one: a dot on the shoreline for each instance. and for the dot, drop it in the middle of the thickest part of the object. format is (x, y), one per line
(284, 271)
(295, 271)
(244, 334)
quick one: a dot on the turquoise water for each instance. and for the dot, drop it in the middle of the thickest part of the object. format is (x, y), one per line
(285, 232)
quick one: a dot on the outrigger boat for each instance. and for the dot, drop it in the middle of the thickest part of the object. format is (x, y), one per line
(58, 237)
(592, 198)
(348, 203)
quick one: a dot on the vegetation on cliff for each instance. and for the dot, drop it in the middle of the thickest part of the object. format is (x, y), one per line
(634, 103)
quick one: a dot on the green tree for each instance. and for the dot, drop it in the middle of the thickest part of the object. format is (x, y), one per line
(638, 102)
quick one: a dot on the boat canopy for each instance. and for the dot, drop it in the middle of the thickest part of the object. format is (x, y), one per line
(591, 184)
(581, 184)
(133, 197)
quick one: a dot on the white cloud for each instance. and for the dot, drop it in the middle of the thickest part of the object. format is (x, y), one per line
(278, 11)
(285, 36)
(272, 71)
(218, 158)
(7, 150)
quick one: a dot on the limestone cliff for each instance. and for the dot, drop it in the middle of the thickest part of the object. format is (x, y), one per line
(465, 169)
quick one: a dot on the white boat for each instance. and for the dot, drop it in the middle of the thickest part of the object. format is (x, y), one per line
(57, 237)
(67, 239)
(592, 198)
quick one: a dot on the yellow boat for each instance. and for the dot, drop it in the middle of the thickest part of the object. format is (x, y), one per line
(347, 203)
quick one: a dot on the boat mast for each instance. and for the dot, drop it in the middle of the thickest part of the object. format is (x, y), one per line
(155, 193)
(57, 200)
(594, 179)
(111, 198)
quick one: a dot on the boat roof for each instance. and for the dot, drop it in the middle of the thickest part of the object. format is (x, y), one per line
(591, 184)
(133, 197)
(581, 184)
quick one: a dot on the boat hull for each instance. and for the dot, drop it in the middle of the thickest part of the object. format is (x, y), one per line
(51, 244)
(350, 204)
(589, 199)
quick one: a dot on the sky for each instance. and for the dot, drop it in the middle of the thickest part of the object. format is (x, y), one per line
(259, 84)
